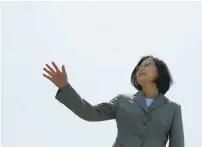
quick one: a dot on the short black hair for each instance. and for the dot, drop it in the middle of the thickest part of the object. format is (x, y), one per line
(164, 79)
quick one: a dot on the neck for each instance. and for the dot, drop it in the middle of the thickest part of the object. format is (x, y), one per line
(150, 90)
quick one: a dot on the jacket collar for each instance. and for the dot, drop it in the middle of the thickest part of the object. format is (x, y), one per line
(159, 101)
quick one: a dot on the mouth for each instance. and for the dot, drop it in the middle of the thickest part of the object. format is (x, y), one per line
(142, 74)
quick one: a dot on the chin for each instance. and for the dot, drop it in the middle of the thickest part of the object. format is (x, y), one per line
(142, 82)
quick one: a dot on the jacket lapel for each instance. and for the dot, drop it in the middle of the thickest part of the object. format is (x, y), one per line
(160, 100)
(139, 98)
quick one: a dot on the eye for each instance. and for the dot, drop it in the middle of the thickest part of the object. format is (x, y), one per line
(146, 64)
(139, 67)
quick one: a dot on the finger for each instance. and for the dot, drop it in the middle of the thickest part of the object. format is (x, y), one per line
(63, 70)
(50, 73)
(57, 69)
(48, 77)
(50, 68)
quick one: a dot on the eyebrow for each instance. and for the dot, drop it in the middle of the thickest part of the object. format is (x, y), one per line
(149, 62)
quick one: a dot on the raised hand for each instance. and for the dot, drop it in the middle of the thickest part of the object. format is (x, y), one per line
(59, 78)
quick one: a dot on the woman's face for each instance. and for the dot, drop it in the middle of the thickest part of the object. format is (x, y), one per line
(147, 72)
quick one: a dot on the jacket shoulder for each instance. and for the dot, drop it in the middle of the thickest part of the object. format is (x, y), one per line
(126, 96)
(173, 103)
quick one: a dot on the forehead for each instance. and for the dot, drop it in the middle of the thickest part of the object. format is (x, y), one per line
(148, 60)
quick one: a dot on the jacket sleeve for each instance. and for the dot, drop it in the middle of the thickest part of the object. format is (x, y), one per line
(176, 134)
(73, 101)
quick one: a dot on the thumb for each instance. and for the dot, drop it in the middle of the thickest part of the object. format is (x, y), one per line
(63, 69)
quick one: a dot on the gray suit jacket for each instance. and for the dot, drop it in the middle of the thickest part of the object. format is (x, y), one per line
(138, 126)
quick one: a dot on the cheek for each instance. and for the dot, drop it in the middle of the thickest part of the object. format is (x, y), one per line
(152, 73)
(137, 77)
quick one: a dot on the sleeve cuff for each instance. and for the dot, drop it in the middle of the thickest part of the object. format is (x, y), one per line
(61, 89)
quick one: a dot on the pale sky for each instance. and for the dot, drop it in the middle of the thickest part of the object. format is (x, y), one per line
(100, 44)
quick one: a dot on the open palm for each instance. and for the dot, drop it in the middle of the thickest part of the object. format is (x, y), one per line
(59, 78)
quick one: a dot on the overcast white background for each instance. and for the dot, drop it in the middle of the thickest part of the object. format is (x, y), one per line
(100, 44)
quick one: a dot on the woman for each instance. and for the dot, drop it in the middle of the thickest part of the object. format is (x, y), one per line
(145, 119)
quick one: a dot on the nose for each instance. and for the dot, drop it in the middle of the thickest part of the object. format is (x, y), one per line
(141, 69)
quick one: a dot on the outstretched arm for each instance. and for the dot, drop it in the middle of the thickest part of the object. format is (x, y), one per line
(72, 100)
